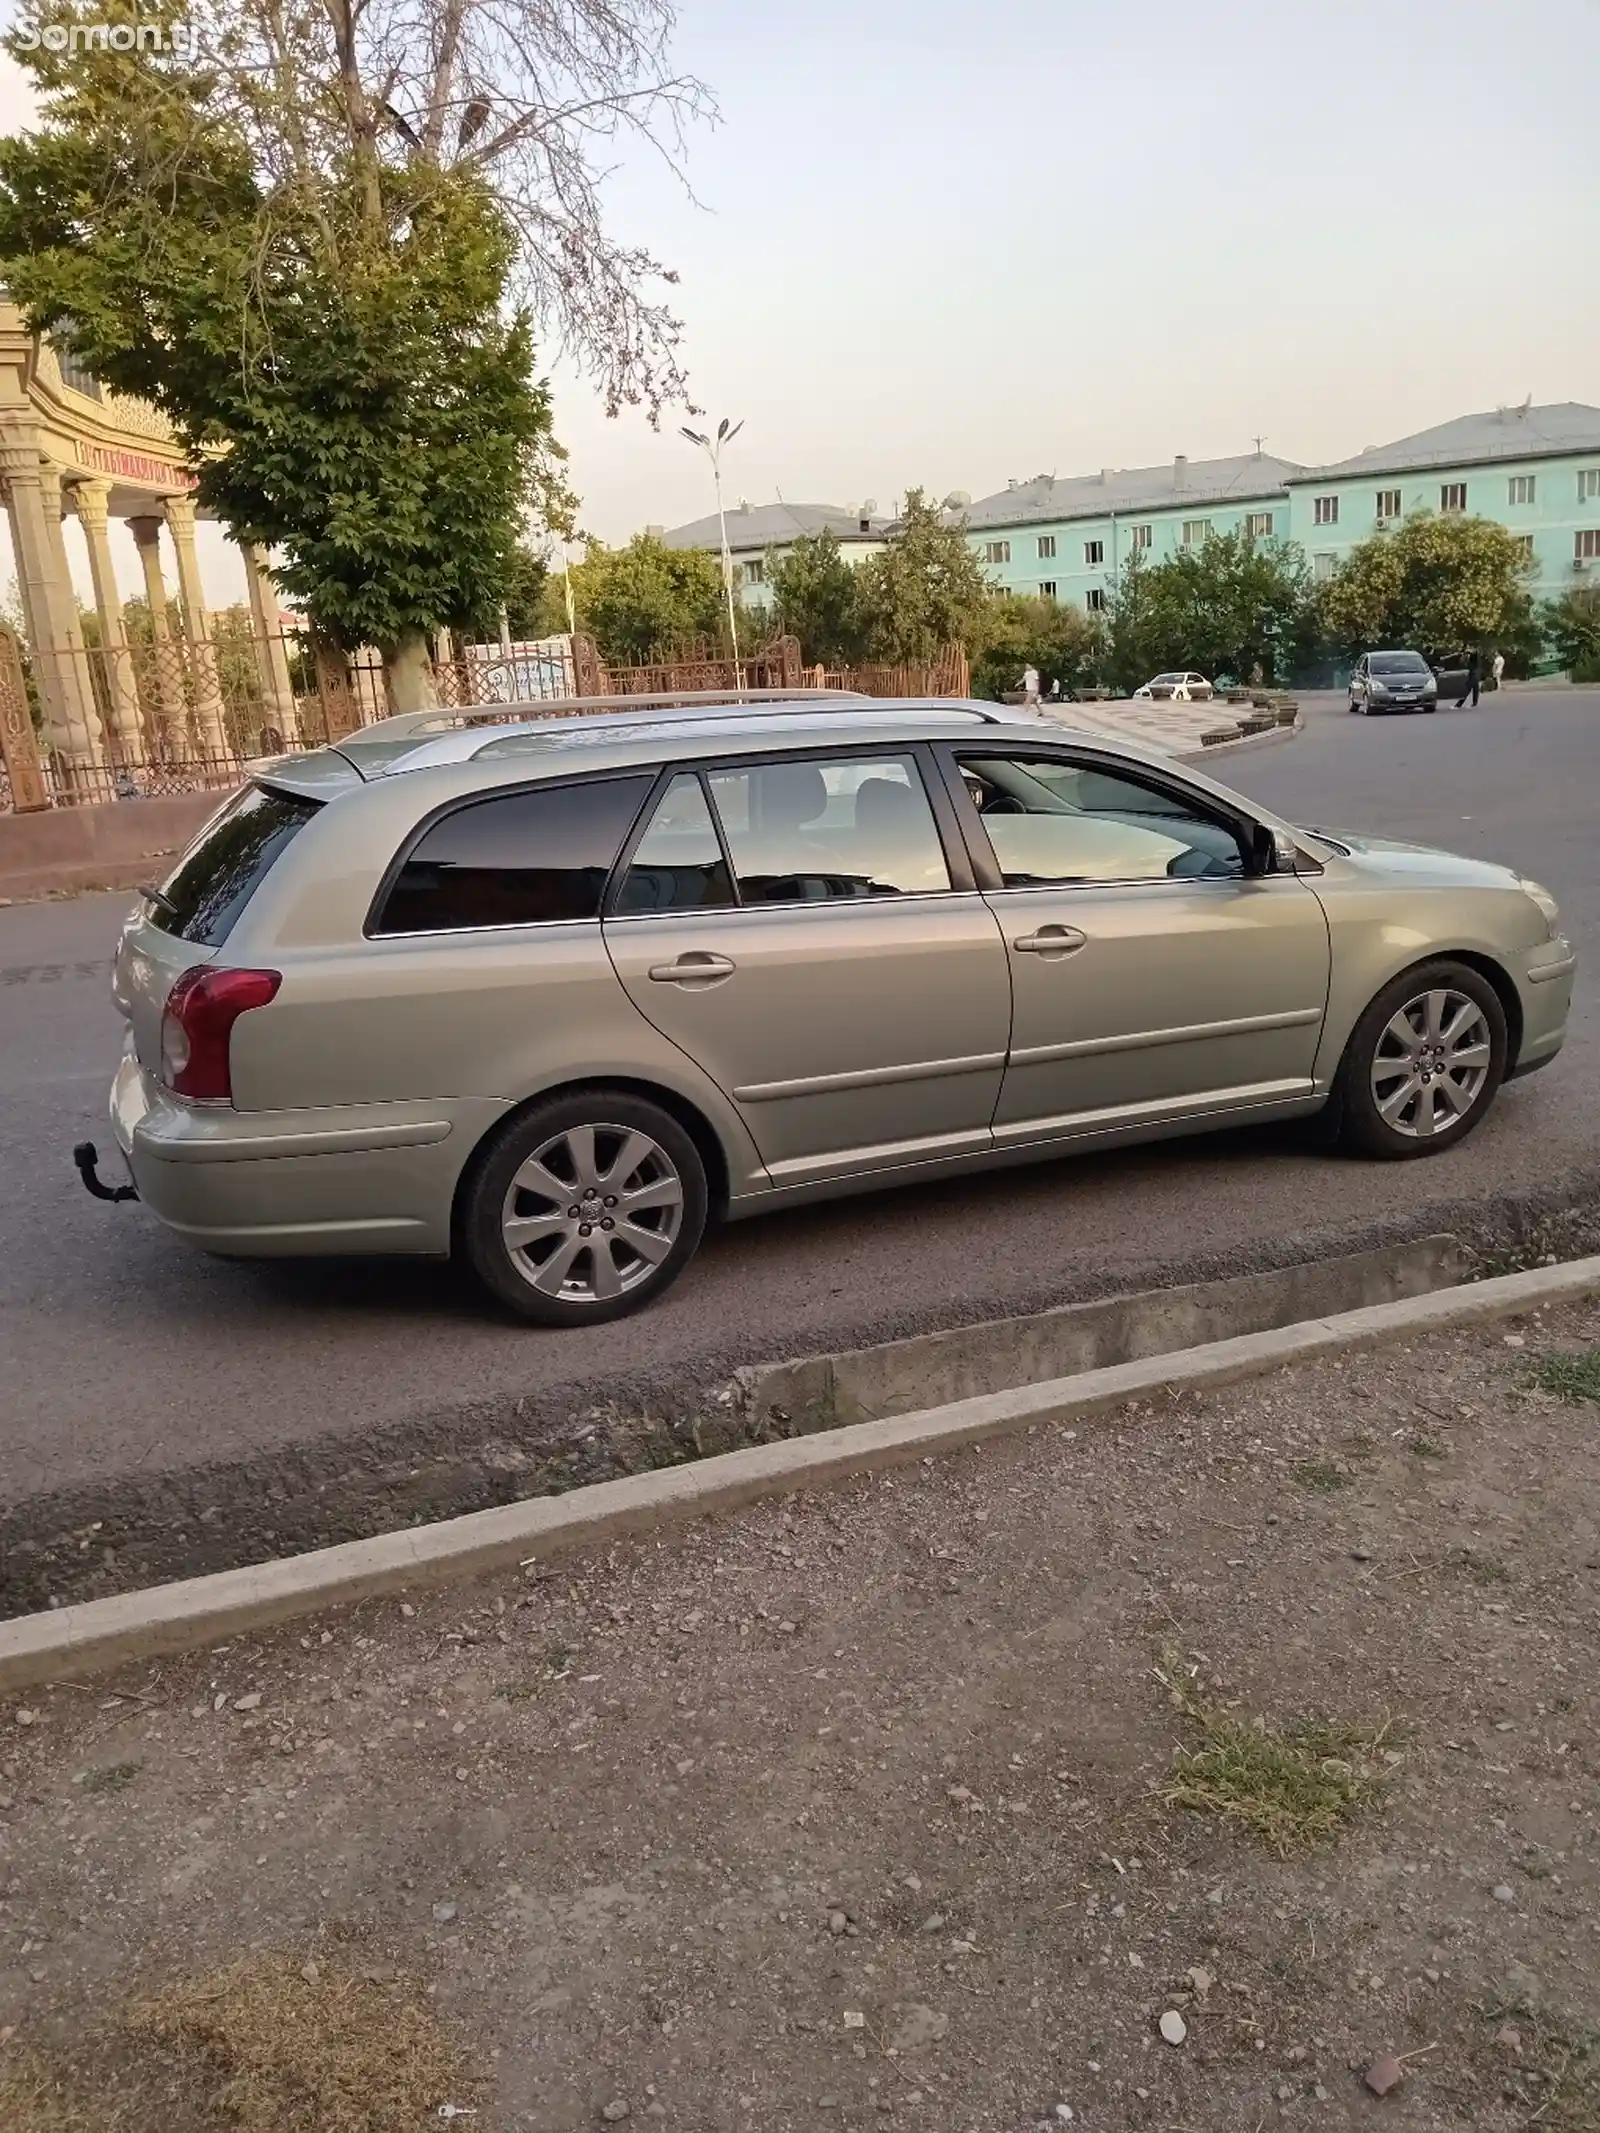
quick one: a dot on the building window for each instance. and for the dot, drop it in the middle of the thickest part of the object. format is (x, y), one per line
(997, 552)
(1525, 546)
(1095, 600)
(1259, 525)
(1586, 545)
(1388, 503)
(1325, 511)
(1139, 537)
(1521, 488)
(1047, 591)
(1453, 496)
(74, 375)
(1196, 532)
(1588, 484)
(1323, 566)
(1047, 546)
(1094, 551)
(754, 573)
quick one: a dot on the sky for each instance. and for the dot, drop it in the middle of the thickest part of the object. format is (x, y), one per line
(950, 243)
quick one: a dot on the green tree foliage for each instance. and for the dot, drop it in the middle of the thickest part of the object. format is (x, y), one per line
(645, 601)
(816, 597)
(1440, 586)
(334, 354)
(1227, 607)
(925, 589)
(1063, 643)
(1572, 625)
(524, 593)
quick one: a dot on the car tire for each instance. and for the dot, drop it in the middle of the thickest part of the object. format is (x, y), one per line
(1440, 1012)
(544, 1217)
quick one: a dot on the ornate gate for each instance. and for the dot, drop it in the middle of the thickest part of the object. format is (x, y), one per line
(18, 748)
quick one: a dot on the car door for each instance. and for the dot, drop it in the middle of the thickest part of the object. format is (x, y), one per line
(1156, 974)
(796, 925)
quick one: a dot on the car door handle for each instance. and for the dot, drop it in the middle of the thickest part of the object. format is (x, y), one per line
(693, 968)
(1051, 940)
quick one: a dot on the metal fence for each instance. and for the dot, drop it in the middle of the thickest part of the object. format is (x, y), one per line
(179, 717)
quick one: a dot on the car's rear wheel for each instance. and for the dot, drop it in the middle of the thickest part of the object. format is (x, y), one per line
(1424, 1063)
(584, 1208)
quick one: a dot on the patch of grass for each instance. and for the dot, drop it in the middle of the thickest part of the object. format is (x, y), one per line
(1321, 1476)
(110, 1777)
(1572, 1377)
(1481, 1569)
(282, 2046)
(34, 2099)
(1425, 1447)
(1558, 2075)
(1293, 1787)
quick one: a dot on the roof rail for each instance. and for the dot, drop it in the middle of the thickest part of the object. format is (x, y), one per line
(446, 718)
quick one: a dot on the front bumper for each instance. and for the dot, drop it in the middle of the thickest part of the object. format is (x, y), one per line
(1546, 996)
(357, 1178)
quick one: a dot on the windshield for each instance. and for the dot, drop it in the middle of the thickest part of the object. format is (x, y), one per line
(1398, 663)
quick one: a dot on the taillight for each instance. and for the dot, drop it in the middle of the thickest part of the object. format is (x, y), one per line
(198, 1021)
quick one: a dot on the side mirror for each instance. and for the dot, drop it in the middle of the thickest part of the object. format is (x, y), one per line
(1273, 851)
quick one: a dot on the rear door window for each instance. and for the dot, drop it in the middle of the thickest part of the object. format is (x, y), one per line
(812, 832)
(517, 859)
(677, 864)
(200, 900)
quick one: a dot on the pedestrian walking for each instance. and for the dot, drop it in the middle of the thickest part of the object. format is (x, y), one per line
(1470, 686)
(1030, 685)
(1497, 667)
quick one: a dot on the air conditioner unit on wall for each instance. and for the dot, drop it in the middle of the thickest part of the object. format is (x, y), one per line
(1580, 562)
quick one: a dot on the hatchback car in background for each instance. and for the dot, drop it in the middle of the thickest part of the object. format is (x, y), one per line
(1177, 689)
(1393, 681)
(551, 995)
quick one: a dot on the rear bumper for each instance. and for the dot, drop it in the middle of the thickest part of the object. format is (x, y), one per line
(282, 1184)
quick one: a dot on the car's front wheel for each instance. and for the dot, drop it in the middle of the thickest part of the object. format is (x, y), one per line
(1424, 1063)
(584, 1208)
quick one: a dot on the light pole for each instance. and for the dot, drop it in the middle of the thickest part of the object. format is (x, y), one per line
(712, 447)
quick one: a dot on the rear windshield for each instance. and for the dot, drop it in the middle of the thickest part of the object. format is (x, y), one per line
(214, 881)
(1398, 663)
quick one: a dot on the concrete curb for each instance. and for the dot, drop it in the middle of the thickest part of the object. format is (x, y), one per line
(73, 1641)
(1224, 750)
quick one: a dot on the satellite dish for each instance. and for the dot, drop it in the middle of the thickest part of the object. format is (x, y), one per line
(957, 500)
(869, 505)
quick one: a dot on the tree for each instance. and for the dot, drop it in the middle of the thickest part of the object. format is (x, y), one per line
(299, 243)
(925, 589)
(1063, 643)
(1442, 586)
(646, 600)
(1227, 607)
(1572, 624)
(523, 594)
(816, 597)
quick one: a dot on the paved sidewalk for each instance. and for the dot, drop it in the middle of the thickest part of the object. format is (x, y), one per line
(1176, 729)
(849, 1812)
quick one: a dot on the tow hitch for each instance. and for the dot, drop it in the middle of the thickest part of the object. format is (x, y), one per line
(87, 1158)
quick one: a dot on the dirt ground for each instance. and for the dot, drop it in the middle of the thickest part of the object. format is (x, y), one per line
(849, 1811)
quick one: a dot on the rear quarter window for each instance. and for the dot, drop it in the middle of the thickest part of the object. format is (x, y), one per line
(218, 875)
(517, 859)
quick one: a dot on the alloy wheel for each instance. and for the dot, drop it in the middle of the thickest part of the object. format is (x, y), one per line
(592, 1213)
(1432, 1063)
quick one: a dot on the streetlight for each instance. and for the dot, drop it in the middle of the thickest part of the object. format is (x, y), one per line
(712, 447)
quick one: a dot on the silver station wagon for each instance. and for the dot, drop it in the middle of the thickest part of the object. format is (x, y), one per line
(552, 995)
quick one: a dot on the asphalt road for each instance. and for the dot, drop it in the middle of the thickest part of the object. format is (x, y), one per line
(125, 1357)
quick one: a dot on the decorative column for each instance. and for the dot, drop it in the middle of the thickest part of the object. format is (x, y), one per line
(277, 689)
(211, 729)
(171, 709)
(91, 499)
(71, 728)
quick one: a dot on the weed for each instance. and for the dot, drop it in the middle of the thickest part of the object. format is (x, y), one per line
(110, 1777)
(1293, 1787)
(1322, 1476)
(1425, 1447)
(1559, 2074)
(1481, 1569)
(1569, 1377)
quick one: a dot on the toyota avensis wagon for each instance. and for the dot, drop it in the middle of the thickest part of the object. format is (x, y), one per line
(551, 995)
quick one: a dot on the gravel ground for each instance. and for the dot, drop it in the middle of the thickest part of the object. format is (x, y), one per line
(847, 1811)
